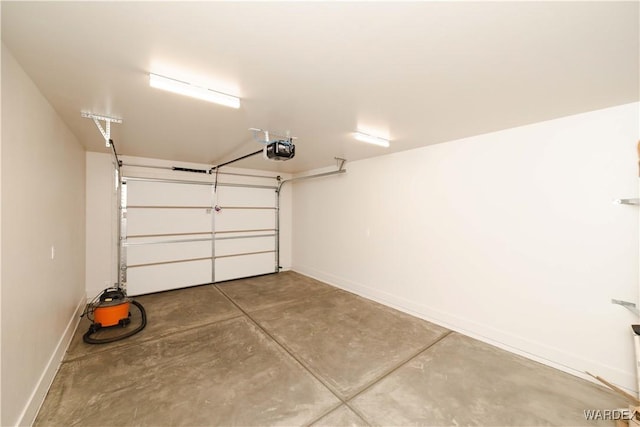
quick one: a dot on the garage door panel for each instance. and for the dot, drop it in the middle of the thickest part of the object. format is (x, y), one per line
(163, 252)
(160, 214)
(244, 245)
(244, 266)
(152, 193)
(245, 219)
(262, 232)
(144, 280)
(166, 221)
(235, 180)
(245, 196)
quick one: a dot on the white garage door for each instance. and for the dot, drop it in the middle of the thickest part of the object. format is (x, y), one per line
(179, 234)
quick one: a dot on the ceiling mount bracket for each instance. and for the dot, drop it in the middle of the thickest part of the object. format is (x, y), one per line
(106, 131)
(266, 139)
(341, 162)
(633, 201)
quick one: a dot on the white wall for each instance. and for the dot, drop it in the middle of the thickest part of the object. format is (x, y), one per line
(511, 237)
(101, 271)
(0, 235)
(101, 213)
(42, 207)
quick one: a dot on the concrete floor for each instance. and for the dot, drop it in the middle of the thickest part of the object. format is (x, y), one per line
(288, 350)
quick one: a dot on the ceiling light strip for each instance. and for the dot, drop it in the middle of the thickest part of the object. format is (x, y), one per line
(193, 91)
(370, 139)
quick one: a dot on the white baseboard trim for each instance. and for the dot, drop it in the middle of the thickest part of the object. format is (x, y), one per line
(539, 352)
(31, 409)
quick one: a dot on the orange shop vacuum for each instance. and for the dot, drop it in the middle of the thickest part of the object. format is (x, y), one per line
(111, 309)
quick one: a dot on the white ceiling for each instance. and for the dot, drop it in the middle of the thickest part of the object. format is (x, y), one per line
(421, 72)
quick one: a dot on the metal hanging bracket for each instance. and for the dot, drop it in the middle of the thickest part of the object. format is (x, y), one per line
(106, 131)
(633, 201)
(340, 170)
(266, 138)
(628, 305)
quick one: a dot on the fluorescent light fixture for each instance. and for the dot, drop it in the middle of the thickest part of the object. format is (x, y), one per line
(188, 89)
(372, 139)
